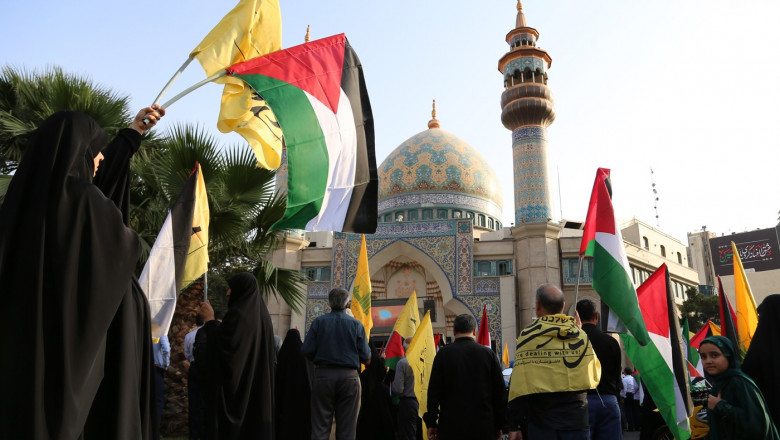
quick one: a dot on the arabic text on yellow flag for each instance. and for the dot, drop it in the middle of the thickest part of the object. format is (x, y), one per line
(420, 355)
(361, 290)
(553, 355)
(198, 254)
(252, 29)
(409, 319)
(505, 356)
(747, 317)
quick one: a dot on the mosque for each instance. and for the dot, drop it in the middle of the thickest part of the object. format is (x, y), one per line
(440, 234)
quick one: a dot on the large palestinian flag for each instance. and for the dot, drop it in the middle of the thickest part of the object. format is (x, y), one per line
(662, 362)
(603, 241)
(318, 94)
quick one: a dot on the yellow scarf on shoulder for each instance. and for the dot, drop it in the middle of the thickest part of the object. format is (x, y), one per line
(553, 355)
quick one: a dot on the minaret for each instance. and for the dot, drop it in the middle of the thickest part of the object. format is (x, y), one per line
(527, 110)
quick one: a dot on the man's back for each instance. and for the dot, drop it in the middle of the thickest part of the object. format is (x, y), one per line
(607, 350)
(468, 389)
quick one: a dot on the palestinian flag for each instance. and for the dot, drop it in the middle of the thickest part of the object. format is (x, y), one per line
(662, 362)
(728, 318)
(164, 273)
(603, 241)
(318, 94)
(691, 354)
(483, 337)
(405, 327)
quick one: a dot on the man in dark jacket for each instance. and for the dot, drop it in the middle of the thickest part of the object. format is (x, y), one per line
(603, 407)
(466, 392)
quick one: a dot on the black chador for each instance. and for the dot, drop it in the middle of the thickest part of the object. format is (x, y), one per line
(76, 343)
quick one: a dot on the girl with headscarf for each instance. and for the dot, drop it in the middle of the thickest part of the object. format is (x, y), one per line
(293, 390)
(239, 356)
(763, 356)
(75, 330)
(736, 408)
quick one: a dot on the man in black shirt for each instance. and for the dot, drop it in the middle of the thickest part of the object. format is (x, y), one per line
(466, 392)
(603, 407)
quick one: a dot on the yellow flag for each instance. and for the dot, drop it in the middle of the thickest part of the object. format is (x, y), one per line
(252, 29)
(747, 317)
(505, 356)
(409, 320)
(361, 291)
(198, 254)
(420, 355)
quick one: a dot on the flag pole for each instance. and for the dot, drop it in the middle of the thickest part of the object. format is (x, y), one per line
(577, 283)
(219, 74)
(173, 78)
(206, 285)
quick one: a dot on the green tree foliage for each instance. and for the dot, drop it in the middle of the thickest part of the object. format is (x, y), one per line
(700, 308)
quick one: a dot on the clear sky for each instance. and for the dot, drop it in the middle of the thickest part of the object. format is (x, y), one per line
(687, 88)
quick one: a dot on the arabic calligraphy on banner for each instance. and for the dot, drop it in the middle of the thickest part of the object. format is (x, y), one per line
(758, 250)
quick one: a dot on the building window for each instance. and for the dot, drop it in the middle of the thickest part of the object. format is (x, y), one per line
(441, 213)
(504, 267)
(498, 225)
(663, 251)
(412, 215)
(317, 273)
(679, 258)
(388, 218)
(645, 243)
(490, 223)
(399, 216)
(483, 269)
(455, 214)
(570, 267)
(481, 220)
(427, 214)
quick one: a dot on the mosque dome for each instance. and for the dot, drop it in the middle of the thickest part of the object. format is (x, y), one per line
(436, 175)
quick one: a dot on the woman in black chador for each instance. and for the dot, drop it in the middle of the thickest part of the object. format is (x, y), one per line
(74, 326)
(293, 390)
(237, 358)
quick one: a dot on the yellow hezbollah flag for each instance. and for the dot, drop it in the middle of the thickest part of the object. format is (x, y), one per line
(747, 317)
(361, 290)
(553, 355)
(420, 355)
(505, 356)
(252, 29)
(198, 254)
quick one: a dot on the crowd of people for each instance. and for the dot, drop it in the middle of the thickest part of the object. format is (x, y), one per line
(79, 360)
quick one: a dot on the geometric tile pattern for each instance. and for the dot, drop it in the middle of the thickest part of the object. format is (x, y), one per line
(475, 303)
(486, 286)
(441, 200)
(448, 243)
(532, 190)
(435, 160)
(525, 63)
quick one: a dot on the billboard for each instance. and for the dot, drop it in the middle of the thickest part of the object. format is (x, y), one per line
(758, 251)
(384, 314)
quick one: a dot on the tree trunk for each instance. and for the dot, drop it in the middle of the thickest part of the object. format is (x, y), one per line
(175, 413)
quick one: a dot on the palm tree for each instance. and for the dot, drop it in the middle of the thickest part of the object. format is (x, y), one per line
(27, 98)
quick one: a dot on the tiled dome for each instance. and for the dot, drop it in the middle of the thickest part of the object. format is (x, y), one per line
(434, 168)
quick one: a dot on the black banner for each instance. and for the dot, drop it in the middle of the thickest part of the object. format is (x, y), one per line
(758, 250)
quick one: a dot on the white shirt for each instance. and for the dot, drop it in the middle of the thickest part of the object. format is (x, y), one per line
(189, 342)
(629, 385)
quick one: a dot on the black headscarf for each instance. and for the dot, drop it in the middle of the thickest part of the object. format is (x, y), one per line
(293, 391)
(763, 356)
(727, 348)
(244, 357)
(70, 317)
